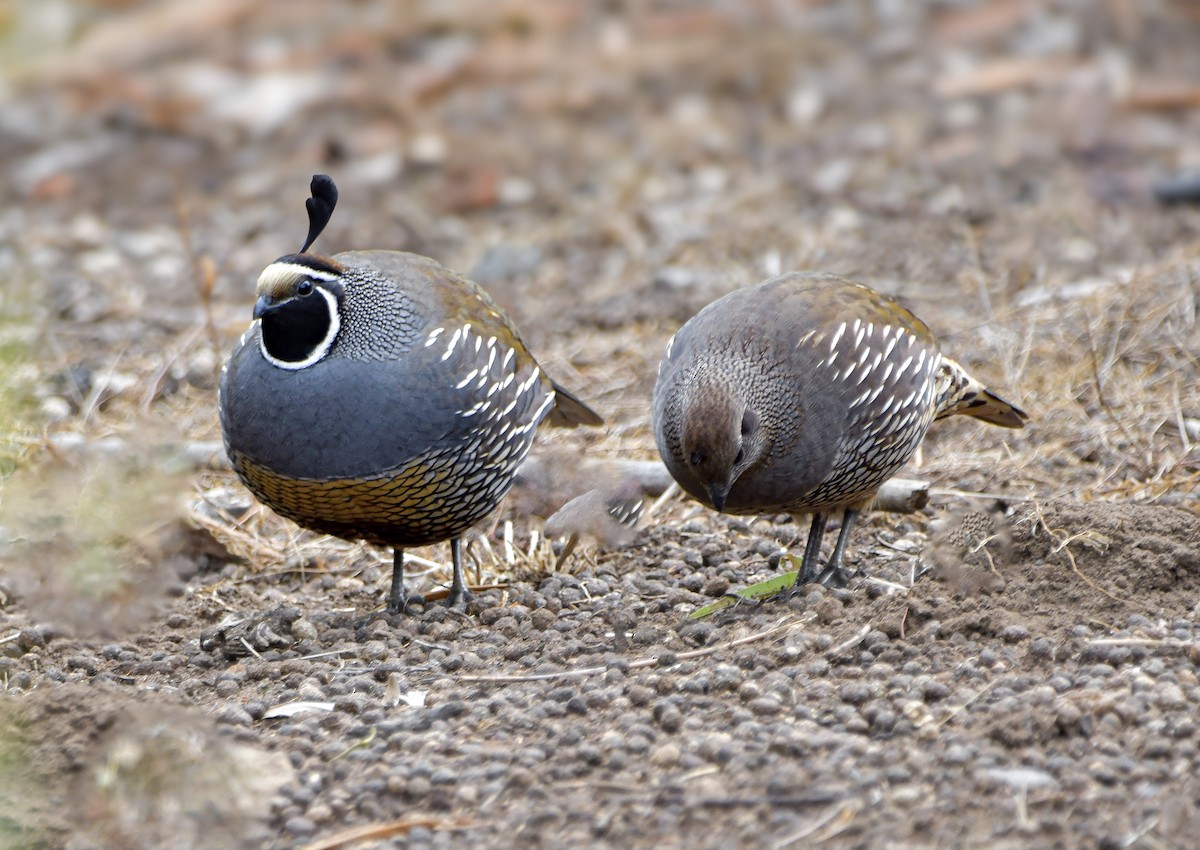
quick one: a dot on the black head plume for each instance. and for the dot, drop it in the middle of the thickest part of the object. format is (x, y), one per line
(320, 207)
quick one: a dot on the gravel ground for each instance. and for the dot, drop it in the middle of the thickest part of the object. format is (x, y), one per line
(1013, 669)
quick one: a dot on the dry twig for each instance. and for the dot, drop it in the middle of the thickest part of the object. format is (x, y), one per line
(377, 831)
(787, 624)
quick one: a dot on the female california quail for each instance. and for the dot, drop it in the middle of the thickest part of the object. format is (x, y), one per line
(803, 394)
(379, 395)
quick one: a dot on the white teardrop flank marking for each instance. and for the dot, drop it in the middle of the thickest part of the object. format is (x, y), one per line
(508, 357)
(859, 332)
(903, 366)
(454, 338)
(861, 398)
(528, 382)
(670, 345)
(896, 334)
(541, 411)
(470, 376)
(433, 335)
(837, 335)
(812, 338)
(318, 353)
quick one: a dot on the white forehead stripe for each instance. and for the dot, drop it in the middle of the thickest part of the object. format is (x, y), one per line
(279, 275)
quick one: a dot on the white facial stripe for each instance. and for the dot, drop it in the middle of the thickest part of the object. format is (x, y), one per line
(279, 275)
(318, 354)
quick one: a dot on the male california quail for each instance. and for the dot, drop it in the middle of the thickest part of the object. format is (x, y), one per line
(803, 394)
(379, 395)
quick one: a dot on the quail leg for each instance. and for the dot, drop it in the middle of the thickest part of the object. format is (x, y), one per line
(459, 595)
(398, 599)
(812, 551)
(833, 573)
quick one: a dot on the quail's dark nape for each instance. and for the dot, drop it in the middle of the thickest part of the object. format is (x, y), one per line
(320, 207)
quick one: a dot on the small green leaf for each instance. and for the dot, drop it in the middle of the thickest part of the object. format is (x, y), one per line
(751, 593)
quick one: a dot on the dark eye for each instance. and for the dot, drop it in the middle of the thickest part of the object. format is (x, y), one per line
(749, 422)
(304, 287)
(697, 458)
(739, 457)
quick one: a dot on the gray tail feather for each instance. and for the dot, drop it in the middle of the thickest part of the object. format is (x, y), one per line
(568, 411)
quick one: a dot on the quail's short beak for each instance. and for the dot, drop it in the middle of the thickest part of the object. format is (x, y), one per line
(262, 305)
(717, 494)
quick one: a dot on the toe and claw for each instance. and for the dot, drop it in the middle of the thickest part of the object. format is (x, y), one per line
(400, 601)
(833, 575)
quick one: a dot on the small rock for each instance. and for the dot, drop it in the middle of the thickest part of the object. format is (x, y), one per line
(1014, 633)
(667, 755)
(1021, 777)
(235, 715)
(299, 826)
(855, 693)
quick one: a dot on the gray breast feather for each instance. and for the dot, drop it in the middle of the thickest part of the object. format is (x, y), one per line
(336, 419)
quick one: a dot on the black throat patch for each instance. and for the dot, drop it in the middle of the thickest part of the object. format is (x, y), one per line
(295, 329)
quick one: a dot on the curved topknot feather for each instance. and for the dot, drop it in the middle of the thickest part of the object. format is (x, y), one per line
(320, 207)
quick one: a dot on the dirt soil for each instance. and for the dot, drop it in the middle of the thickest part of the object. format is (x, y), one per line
(1014, 666)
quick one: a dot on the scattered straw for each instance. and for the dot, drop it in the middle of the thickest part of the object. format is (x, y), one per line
(957, 710)
(1063, 540)
(834, 820)
(858, 638)
(1159, 643)
(378, 831)
(784, 626)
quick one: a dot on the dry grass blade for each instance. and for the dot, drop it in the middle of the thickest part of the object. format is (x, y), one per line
(1157, 643)
(788, 624)
(854, 641)
(959, 709)
(1062, 544)
(378, 831)
(829, 824)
